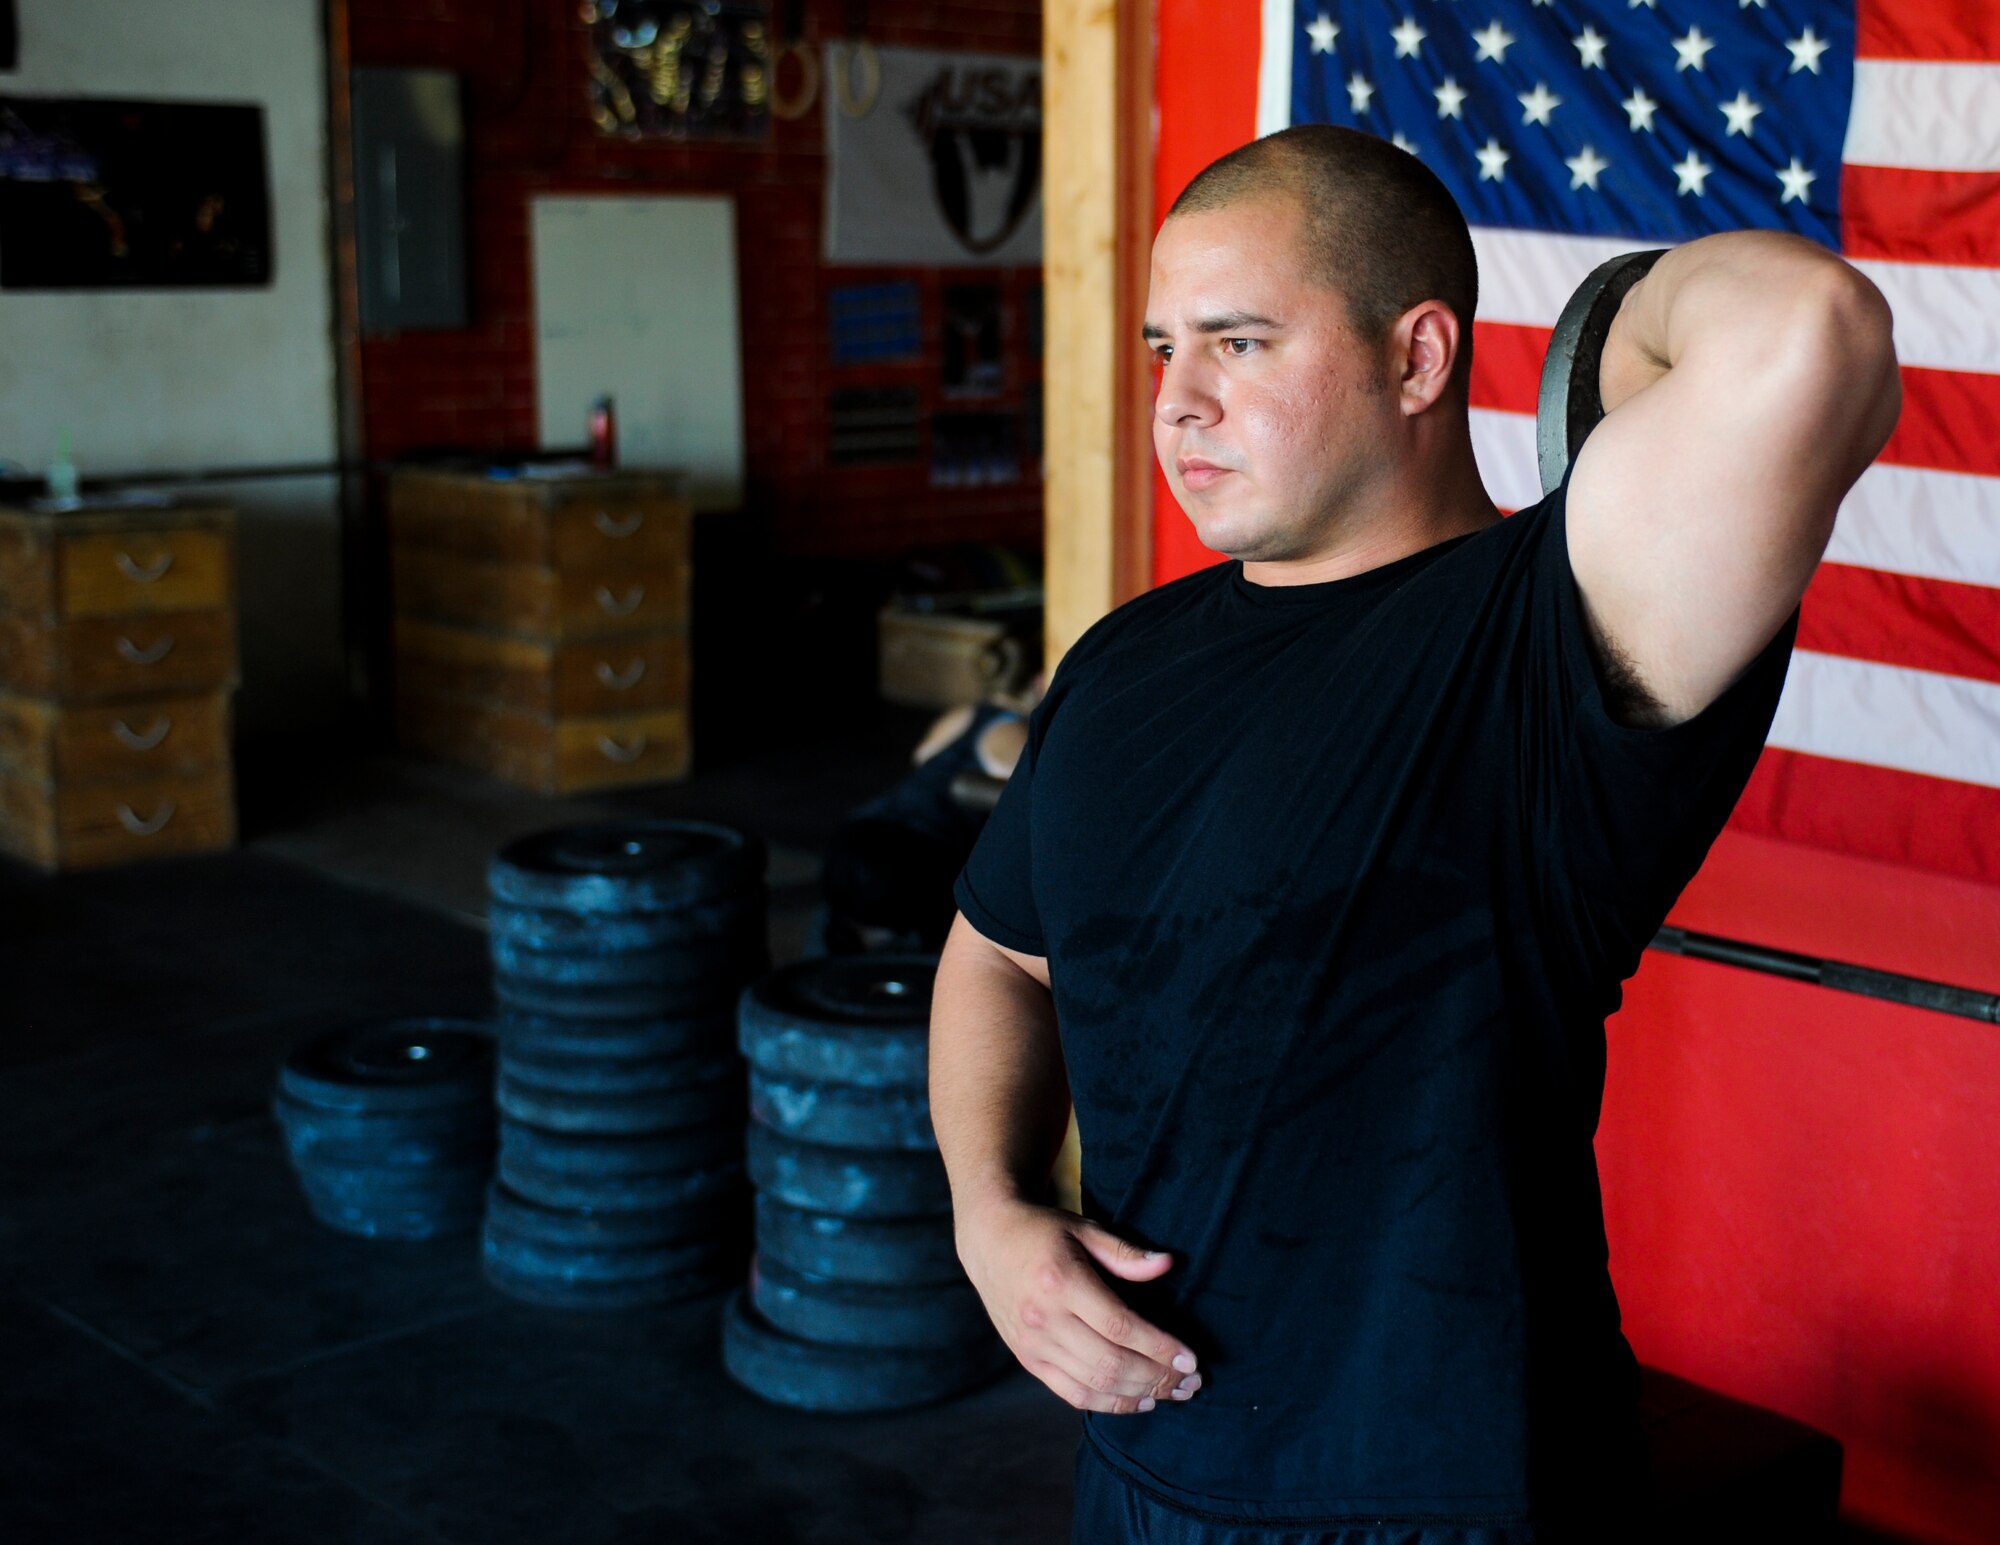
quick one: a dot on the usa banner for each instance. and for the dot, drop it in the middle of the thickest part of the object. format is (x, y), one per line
(1571, 132)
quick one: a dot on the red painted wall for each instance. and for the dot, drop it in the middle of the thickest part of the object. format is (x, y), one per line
(1802, 1187)
(522, 64)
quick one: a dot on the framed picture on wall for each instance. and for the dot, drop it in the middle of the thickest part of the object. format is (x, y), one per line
(97, 193)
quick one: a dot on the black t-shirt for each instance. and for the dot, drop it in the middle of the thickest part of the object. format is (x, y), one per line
(1337, 883)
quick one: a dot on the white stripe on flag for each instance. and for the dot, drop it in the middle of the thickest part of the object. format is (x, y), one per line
(1907, 520)
(1526, 277)
(1915, 520)
(1924, 114)
(1947, 317)
(1890, 716)
(1274, 68)
(1503, 444)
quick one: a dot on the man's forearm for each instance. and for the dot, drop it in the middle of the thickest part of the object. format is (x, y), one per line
(1732, 286)
(999, 1093)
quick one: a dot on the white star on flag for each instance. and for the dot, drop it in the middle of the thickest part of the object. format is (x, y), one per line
(1407, 37)
(1806, 50)
(1492, 161)
(1796, 180)
(1591, 46)
(1693, 172)
(1358, 93)
(1693, 50)
(1402, 142)
(1450, 98)
(1494, 42)
(1322, 30)
(1538, 104)
(1739, 113)
(1585, 165)
(1640, 109)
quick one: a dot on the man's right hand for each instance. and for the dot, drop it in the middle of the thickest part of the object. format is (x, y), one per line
(1033, 1268)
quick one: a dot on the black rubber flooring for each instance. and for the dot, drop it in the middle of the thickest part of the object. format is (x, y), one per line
(185, 1355)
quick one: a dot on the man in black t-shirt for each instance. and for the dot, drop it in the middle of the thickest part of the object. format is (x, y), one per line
(1321, 867)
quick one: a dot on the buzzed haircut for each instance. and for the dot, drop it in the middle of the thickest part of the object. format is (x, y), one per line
(1380, 229)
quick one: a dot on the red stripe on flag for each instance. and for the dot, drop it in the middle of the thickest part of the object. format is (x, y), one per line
(1878, 812)
(1947, 422)
(1507, 365)
(1919, 216)
(1958, 30)
(1204, 85)
(1898, 619)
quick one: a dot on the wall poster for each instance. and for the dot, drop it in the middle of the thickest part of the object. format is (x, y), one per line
(97, 193)
(945, 166)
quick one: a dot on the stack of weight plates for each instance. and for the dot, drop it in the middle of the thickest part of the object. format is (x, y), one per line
(619, 950)
(856, 1299)
(390, 1125)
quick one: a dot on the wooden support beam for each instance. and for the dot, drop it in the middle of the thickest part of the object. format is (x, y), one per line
(1097, 166)
(1097, 230)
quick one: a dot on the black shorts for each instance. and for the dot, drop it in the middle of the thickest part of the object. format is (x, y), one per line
(1112, 1511)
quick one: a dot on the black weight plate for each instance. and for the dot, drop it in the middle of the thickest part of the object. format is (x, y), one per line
(878, 989)
(618, 1193)
(517, 1217)
(843, 1115)
(614, 1076)
(452, 1134)
(866, 1314)
(851, 1182)
(877, 1056)
(617, 1004)
(565, 1153)
(716, 1098)
(689, 968)
(811, 1377)
(1568, 405)
(397, 1064)
(606, 933)
(640, 864)
(393, 1203)
(896, 1251)
(612, 1040)
(596, 1280)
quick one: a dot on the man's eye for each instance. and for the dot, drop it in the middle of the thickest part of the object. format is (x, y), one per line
(1248, 345)
(1163, 354)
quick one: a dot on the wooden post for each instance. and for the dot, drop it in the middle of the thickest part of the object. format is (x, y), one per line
(1097, 164)
(1097, 172)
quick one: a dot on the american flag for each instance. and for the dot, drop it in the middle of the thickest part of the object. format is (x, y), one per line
(1570, 132)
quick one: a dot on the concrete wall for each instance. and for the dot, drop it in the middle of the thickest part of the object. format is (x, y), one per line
(165, 379)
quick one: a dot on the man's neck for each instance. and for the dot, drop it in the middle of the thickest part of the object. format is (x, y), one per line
(1387, 537)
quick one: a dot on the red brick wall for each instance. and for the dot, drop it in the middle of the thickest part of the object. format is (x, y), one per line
(522, 66)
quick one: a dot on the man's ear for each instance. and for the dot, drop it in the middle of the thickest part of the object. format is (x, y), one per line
(1427, 338)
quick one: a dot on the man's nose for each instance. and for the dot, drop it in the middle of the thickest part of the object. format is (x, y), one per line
(1185, 397)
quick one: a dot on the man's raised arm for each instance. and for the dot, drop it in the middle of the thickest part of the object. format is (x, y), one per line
(1000, 1108)
(1747, 380)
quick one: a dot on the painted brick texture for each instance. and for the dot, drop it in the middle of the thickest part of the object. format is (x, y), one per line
(528, 131)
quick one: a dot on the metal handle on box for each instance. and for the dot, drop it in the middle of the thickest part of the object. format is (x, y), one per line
(127, 650)
(618, 681)
(144, 828)
(618, 753)
(155, 733)
(144, 573)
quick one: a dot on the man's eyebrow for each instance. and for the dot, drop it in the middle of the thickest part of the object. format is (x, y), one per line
(1228, 322)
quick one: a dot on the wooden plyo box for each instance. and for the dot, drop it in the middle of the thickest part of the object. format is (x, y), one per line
(940, 659)
(541, 625)
(117, 665)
